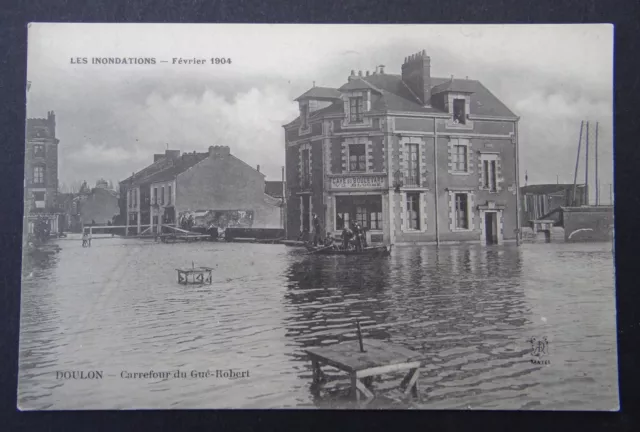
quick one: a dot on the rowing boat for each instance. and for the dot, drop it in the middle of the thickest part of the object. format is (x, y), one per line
(333, 250)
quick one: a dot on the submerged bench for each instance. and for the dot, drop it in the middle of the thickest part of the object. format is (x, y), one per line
(378, 358)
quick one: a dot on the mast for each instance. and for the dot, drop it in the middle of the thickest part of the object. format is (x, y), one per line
(586, 168)
(575, 175)
(597, 181)
(435, 176)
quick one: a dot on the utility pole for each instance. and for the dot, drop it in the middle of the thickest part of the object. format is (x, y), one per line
(597, 182)
(575, 175)
(586, 169)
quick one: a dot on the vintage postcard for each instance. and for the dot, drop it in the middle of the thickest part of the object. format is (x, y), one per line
(318, 216)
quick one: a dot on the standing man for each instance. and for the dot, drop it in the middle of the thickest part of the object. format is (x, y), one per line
(316, 230)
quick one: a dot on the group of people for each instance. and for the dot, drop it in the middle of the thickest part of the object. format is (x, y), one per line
(353, 237)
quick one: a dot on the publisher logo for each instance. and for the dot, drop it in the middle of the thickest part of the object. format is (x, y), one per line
(539, 350)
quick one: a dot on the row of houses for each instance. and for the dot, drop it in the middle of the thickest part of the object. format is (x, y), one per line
(198, 191)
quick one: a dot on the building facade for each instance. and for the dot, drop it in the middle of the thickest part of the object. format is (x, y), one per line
(539, 200)
(201, 190)
(412, 158)
(41, 174)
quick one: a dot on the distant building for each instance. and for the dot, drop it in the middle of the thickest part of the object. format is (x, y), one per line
(539, 200)
(200, 190)
(41, 173)
(98, 206)
(366, 152)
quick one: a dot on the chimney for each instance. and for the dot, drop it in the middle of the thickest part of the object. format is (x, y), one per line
(51, 117)
(258, 168)
(360, 73)
(157, 157)
(219, 151)
(381, 69)
(172, 154)
(352, 76)
(367, 73)
(416, 74)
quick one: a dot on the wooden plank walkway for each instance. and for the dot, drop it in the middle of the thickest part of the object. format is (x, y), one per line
(378, 358)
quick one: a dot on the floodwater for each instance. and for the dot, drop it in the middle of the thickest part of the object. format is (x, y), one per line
(470, 310)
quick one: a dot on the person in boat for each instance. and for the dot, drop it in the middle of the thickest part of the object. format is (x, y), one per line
(357, 237)
(347, 234)
(316, 230)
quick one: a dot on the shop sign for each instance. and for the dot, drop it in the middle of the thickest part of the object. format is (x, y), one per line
(359, 182)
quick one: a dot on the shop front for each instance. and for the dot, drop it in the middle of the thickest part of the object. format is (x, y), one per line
(359, 199)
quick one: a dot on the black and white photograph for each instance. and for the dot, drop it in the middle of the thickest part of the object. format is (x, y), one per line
(314, 216)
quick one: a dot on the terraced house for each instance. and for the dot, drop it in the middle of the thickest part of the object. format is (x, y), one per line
(411, 157)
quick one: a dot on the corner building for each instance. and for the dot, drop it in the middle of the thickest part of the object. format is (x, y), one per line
(393, 152)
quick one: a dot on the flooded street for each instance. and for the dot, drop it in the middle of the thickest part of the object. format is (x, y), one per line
(117, 307)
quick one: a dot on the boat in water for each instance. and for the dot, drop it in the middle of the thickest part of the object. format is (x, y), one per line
(335, 250)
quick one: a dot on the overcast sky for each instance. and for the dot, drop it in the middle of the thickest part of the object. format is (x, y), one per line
(112, 118)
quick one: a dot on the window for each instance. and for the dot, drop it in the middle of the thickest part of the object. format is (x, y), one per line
(162, 195)
(342, 220)
(462, 211)
(459, 158)
(376, 220)
(413, 174)
(357, 157)
(155, 195)
(459, 108)
(38, 150)
(356, 108)
(365, 210)
(38, 196)
(413, 211)
(306, 168)
(169, 196)
(135, 197)
(38, 174)
(489, 179)
(361, 216)
(304, 116)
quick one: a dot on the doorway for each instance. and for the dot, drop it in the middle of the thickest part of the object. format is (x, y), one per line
(306, 223)
(491, 228)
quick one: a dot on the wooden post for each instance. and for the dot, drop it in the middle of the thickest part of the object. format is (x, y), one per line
(597, 181)
(586, 168)
(359, 331)
(575, 175)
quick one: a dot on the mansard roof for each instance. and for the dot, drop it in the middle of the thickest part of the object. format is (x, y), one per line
(320, 93)
(393, 94)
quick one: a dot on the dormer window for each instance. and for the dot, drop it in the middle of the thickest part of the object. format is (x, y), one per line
(304, 116)
(459, 111)
(356, 109)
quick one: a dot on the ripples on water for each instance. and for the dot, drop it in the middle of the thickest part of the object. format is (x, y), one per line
(469, 309)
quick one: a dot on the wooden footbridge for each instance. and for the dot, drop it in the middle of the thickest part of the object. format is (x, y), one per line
(175, 234)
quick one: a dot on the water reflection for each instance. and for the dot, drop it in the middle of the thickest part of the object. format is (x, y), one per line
(468, 309)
